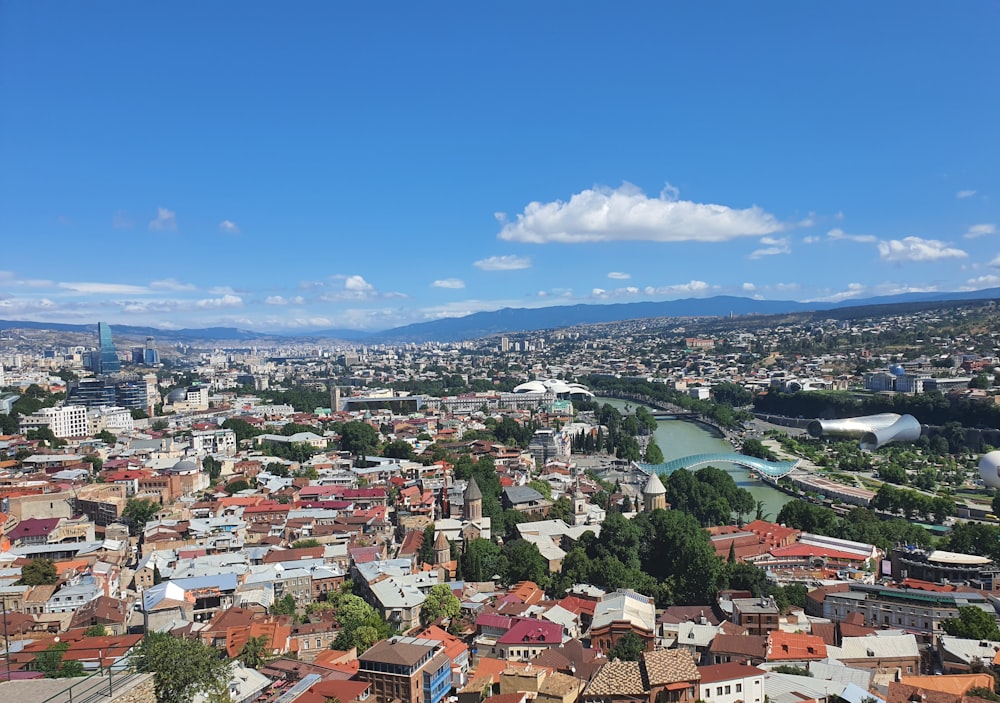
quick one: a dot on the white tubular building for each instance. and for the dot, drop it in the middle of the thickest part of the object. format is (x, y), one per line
(872, 430)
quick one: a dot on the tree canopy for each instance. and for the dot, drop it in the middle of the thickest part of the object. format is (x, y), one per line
(440, 602)
(182, 667)
(38, 572)
(972, 623)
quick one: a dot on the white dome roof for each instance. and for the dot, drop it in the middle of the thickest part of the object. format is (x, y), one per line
(989, 469)
(530, 387)
(553, 385)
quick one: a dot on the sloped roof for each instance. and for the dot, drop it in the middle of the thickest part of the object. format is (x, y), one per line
(654, 486)
(472, 491)
(667, 666)
(616, 678)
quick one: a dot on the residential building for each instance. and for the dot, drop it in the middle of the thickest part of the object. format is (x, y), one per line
(759, 616)
(67, 421)
(890, 656)
(916, 606)
(731, 683)
(406, 669)
(619, 613)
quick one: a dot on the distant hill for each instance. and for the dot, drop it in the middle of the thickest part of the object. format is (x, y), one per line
(482, 324)
(510, 320)
(198, 334)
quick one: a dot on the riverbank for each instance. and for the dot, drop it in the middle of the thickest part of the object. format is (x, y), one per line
(681, 438)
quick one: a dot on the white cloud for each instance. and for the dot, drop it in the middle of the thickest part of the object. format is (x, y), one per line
(689, 287)
(226, 301)
(626, 213)
(963, 194)
(811, 239)
(917, 249)
(749, 287)
(357, 288)
(166, 220)
(599, 293)
(104, 288)
(786, 286)
(853, 291)
(838, 233)
(988, 281)
(282, 300)
(772, 246)
(229, 227)
(508, 262)
(619, 276)
(980, 230)
(449, 283)
(357, 283)
(172, 284)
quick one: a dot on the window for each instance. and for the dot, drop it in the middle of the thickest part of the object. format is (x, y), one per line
(729, 689)
(739, 688)
(909, 670)
(718, 691)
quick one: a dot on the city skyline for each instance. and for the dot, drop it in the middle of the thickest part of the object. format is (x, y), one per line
(342, 167)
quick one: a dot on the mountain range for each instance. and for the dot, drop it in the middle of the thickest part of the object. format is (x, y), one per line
(512, 320)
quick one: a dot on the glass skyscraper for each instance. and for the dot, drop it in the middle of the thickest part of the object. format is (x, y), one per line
(108, 355)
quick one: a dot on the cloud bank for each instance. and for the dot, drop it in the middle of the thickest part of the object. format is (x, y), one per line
(627, 213)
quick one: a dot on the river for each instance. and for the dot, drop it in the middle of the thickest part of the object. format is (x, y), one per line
(680, 438)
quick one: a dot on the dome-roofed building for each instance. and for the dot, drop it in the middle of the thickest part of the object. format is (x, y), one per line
(177, 395)
(989, 469)
(557, 386)
(184, 466)
(654, 495)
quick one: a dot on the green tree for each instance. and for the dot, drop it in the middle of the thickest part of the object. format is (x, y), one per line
(358, 438)
(137, 512)
(791, 669)
(440, 602)
(38, 572)
(306, 543)
(97, 630)
(361, 625)
(654, 455)
(543, 487)
(400, 449)
(426, 555)
(106, 437)
(182, 667)
(213, 467)
(629, 647)
(254, 653)
(524, 563)
(50, 662)
(243, 429)
(972, 623)
(746, 577)
(284, 605)
(237, 486)
(482, 560)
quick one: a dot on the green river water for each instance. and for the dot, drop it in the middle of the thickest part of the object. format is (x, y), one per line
(680, 438)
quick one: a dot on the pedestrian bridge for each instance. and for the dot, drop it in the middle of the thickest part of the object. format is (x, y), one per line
(772, 469)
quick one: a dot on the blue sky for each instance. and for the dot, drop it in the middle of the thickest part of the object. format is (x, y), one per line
(298, 166)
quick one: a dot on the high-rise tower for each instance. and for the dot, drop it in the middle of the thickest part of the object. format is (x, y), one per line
(107, 361)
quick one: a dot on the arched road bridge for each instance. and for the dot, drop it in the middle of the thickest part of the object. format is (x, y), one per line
(773, 469)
